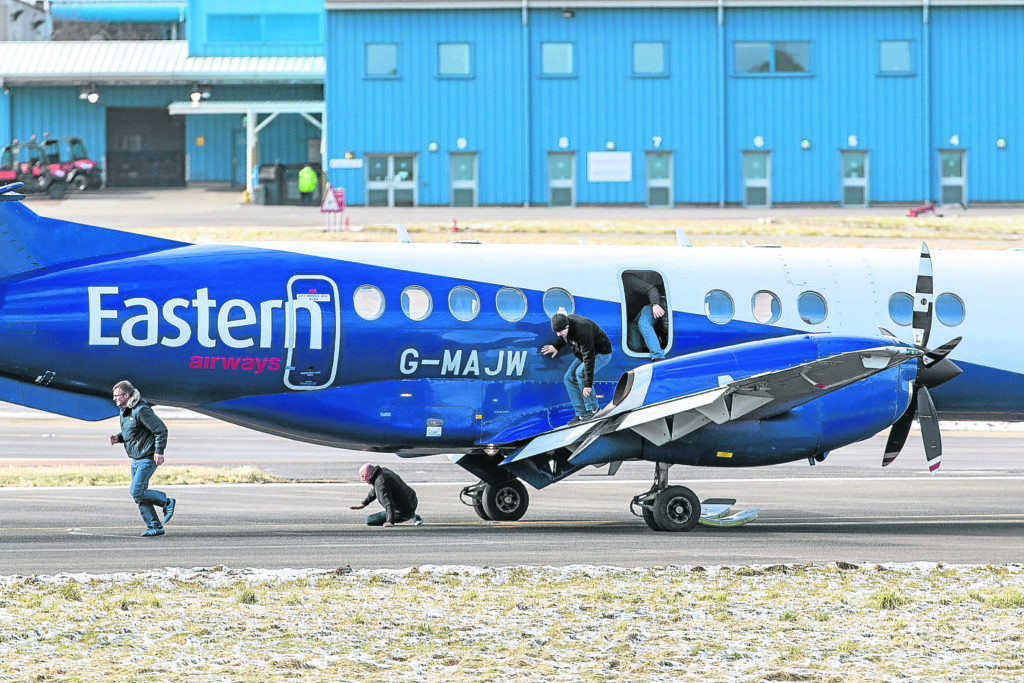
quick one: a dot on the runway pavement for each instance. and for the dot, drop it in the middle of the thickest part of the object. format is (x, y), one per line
(845, 509)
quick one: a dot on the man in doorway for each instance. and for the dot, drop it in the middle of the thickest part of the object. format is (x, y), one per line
(645, 309)
(592, 350)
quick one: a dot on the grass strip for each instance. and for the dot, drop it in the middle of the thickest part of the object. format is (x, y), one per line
(120, 475)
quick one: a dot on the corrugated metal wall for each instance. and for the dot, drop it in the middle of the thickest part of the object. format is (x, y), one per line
(59, 112)
(966, 63)
(977, 72)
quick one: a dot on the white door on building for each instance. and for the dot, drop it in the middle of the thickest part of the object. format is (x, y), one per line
(757, 188)
(855, 177)
(391, 180)
(952, 177)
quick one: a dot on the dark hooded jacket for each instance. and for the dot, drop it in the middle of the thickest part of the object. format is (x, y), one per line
(397, 497)
(142, 432)
(588, 340)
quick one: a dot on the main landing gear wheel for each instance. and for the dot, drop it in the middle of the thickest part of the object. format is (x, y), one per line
(676, 508)
(504, 502)
(667, 508)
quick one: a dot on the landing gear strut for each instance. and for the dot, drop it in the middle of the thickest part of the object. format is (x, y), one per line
(664, 507)
(504, 502)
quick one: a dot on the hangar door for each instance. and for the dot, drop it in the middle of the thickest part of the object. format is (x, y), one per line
(145, 147)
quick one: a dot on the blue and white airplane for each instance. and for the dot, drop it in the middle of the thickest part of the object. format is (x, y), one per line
(774, 354)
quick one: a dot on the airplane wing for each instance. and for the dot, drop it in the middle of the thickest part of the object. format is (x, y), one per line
(754, 397)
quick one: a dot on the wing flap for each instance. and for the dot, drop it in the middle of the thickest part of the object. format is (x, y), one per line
(754, 397)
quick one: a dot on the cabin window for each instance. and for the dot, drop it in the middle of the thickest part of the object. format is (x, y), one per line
(766, 307)
(368, 302)
(464, 303)
(718, 306)
(812, 308)
(949, 309)
(511, 304)
(901, 308)
(416, 303)
(556, 298)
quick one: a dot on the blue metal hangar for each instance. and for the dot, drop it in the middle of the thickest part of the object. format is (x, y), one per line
(245, 89)
(659, 103)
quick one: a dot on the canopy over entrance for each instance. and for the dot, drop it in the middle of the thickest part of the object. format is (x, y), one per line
(270, 109)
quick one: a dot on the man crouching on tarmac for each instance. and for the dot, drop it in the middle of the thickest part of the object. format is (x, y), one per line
(397, 497)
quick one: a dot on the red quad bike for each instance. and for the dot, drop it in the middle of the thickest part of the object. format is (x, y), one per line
(23, 162)
(71, 157)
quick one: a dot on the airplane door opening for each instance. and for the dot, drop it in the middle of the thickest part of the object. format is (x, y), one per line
(312, 332)
(638, 287)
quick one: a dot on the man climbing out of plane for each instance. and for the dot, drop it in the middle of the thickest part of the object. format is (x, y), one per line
(592, 349)
(397, 497)
(144, 436)
(645, 309)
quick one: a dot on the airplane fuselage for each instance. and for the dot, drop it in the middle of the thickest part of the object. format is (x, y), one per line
(319, 342)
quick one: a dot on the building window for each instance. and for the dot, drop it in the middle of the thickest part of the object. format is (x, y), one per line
(894, 56)
(453, 60)
(556, 59)
(381, 59)
(792, 56)
(649, 59)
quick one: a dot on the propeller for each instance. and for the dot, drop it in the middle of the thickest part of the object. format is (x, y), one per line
(933, 369)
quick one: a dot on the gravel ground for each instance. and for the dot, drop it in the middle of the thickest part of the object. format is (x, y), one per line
(838, 622)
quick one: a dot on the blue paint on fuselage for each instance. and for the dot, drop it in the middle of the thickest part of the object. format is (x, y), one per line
(486, 378)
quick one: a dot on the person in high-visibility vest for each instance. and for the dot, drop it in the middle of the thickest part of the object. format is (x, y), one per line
(307, 184)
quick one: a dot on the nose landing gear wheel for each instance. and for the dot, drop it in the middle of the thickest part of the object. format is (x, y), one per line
(676, 508)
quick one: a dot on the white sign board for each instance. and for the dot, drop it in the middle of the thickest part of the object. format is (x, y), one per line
(609, 167)
(345, 163)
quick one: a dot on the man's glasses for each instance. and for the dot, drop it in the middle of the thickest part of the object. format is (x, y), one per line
(117, 396)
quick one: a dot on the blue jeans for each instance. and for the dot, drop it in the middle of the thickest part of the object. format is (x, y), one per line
(378, 518)
(145, 497)
(641, 334)
(574, 383)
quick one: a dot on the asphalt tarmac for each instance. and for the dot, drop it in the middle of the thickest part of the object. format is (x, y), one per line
(847, 509)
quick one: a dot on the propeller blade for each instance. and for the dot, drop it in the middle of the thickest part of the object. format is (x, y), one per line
(898, 433)
(938, 373)
(923, 299)
(935, 355)
(929, 421)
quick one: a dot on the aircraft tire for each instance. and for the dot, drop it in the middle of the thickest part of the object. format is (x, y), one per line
(648, 516)
(505, 502)
(676, 508)
(478, 508)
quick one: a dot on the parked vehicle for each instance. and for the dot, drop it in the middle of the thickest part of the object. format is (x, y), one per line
(24, 162)
(70, 156)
